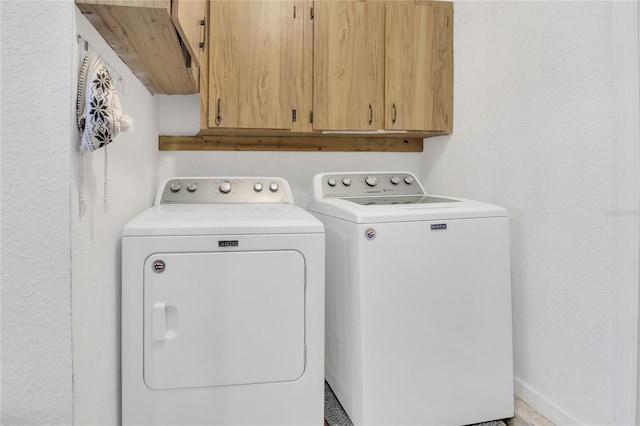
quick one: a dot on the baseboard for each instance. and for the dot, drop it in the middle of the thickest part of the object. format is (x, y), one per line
(544, 405)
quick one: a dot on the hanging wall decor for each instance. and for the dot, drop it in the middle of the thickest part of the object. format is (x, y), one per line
(100, 116)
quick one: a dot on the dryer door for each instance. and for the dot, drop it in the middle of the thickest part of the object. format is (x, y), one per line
(216, 319)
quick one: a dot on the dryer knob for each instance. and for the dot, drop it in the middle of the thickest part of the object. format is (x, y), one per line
(192, 187)
(225, 187)
(408, 180)
(257, 187)
(273, 187)
(395, 180)
(346, 181)
(371, 180)
(332, 182)
(175, 186)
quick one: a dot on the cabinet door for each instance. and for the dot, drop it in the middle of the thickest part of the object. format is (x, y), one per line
(419, 66)
(348, 68)
(187, 16)
(250, 68)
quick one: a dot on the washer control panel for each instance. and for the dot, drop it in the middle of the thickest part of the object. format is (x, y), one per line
(366, 184)
(213, 190)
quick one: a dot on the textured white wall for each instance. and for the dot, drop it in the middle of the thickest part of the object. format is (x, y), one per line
(179, 115)
(96, 262)
(534, 131)
(36, 238)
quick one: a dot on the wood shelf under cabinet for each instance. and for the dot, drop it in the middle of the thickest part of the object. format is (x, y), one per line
(294, 142)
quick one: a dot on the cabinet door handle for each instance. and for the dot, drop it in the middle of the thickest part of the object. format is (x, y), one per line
(370, 115)
(393, 113)
(218, 117)
(204, 33)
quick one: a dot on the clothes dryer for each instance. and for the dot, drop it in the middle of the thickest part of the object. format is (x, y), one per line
(418, 302)
(223, 307)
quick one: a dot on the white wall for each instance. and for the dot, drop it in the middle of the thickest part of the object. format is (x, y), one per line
(534, 122)
(179, 115)
(96, 263)
(36, 238)
(534, 132)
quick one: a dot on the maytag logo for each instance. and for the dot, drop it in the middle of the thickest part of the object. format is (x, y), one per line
(436, 226)
(228, 243)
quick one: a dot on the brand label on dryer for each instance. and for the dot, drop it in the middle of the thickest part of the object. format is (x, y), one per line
(436, 226)
(158, 266)
(228, 243)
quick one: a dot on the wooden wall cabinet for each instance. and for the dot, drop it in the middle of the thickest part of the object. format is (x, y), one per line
(255, 76)
(348, 65)
(419, 66)
(161, 41)
(288, 71)
(383, 65)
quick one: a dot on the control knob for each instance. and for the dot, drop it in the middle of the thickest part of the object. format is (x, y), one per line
(257, 187)
(192, 187)
(273, 187)
(408, 180)
(371, 180)
(346, 181)
(395, 180)
(175, 186)
(225, 187)
(332, 182)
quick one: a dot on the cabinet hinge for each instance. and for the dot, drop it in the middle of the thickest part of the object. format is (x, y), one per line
(294, 115)
(311, 12)
(310, 116)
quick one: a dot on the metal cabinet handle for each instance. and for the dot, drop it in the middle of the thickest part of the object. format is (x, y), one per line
(204, 33)
(370, 115)
(393, 113)
(218, 117)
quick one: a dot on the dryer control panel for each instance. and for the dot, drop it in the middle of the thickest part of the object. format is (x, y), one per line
(366, 184)
(215, 190)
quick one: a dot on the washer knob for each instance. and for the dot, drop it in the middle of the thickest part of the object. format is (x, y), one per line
(395, 180)
(346, 181)
(225, 187)
(192, 187)
(408, 180)
(371, 180)
(175, 186)
(257, 187)
(332, 182)
(273, 186)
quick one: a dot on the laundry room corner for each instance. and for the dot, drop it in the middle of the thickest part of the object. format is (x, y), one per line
(537, 131)
(105, 194)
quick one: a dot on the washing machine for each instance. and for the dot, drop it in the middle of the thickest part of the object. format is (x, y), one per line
(223, 307)
(418, 302)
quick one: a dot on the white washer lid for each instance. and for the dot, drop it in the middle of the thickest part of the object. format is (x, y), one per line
(458, 208)
(222, 219)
